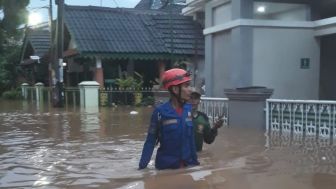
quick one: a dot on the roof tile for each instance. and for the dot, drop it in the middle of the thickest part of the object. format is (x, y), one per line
(39, 40)
(115, 30)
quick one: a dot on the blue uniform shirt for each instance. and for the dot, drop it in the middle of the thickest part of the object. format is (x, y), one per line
(176, 137)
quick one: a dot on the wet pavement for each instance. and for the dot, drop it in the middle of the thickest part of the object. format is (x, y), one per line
(71, 148)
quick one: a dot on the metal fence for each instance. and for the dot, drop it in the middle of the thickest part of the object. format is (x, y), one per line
(130, 96)
(44, 95)
(71, 96)
(305, 117)
(31, 93)
(215, 108)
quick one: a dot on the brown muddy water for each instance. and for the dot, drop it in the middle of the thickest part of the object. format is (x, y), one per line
(72, 148)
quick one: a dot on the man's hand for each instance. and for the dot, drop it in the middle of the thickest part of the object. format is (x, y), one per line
(219, 123)
(142, 165)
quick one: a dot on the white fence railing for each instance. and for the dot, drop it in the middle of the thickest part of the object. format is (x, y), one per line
(44, 94)
(306, 117)
(215, 108)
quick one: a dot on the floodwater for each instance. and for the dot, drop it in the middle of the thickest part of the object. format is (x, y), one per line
(72, 148)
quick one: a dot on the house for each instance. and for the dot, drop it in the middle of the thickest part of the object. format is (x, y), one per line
(107, 42)
(286, 45)
(104, 44)
(35, 54)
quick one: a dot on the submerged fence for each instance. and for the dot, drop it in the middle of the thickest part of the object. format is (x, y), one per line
(127, 96)
(107, 97)
(303, 117)
(43, 95)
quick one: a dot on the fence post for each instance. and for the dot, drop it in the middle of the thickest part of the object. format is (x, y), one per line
(39, 95)
(267, 115)
(89, 94)
(24, 91)
(247, 106)
(103, 99)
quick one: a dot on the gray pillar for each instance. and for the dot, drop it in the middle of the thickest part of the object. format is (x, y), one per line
(242, 9)
(241, 63)
(209, 64)
(314, 11)
(89, 94)
(209, 76)
(246, 106)
(242, 39)
(242, 44)
(24, 91)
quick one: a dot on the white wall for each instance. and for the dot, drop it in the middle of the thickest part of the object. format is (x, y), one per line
(276, 62)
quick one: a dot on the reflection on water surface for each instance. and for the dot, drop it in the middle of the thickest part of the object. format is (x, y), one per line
(72, 148)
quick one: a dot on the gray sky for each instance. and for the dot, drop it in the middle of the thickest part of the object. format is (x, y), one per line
(35, 4)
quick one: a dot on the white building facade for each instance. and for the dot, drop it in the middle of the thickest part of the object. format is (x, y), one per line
(286, 45)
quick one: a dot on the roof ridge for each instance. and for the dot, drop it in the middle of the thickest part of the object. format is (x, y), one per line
(113, 9)
(91, 7)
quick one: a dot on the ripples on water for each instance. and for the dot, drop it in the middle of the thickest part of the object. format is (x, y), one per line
(60, 148)
(70, 148)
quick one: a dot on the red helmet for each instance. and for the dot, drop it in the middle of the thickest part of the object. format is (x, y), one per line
(174, 77)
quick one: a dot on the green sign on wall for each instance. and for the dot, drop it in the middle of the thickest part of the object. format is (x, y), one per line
(305, 63)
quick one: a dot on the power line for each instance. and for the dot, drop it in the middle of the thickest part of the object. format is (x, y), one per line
(115, 2)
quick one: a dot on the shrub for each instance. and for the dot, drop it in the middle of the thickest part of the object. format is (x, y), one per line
(12, 94)
(129, 82)
(149, 100)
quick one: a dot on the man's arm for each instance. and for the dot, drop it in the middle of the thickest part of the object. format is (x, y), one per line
(209, 134)
(150, 142)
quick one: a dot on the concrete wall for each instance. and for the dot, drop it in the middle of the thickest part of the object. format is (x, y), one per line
(277, 56)
(228, 53)
(222, 74)
(298, 14)
(328, 68)
(242, 53)
(295, 13)
(213, 9)
(222, 14)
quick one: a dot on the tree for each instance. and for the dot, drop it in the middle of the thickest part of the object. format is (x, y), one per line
(14, 15)
(8, 66)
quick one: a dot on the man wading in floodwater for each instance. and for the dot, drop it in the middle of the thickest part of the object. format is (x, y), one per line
(171, 126)
(203, 130)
